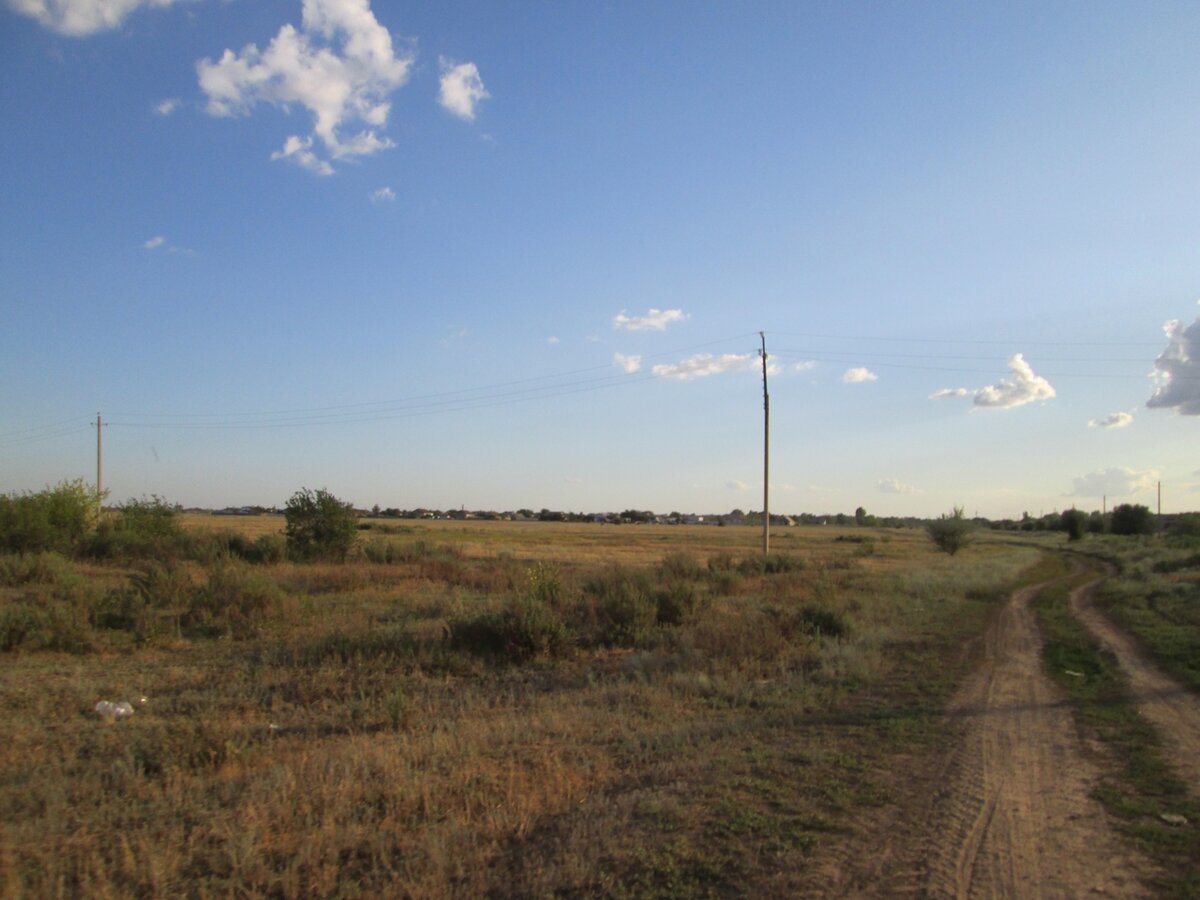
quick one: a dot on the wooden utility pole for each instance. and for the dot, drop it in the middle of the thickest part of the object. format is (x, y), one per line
(766, 453)
(99, 467)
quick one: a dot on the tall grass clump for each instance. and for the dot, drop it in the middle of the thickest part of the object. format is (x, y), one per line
(530, 625)
(622, 605)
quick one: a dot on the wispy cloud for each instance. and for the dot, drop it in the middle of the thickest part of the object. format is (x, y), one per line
(805, 366)
(167, 106)
(1113, 420)
(627, 364)
(1022, 387)
(383, 195)
(858, 375)
(704, 364)
(80, 18)
(552, 340)
(340, 65)
(737, 485)
(654, 320)
(1177, 370)
(894, 486)
(461, 88)
(948, 392)
(1114, 482)
(160, 243)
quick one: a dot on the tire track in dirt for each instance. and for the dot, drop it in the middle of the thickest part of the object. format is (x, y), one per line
(1008, 813)
(1172, 709)
(1020, 820)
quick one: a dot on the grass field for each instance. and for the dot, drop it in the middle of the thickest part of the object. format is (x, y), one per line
(485, 709)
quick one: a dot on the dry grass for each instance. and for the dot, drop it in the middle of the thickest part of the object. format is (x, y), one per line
(349, 744)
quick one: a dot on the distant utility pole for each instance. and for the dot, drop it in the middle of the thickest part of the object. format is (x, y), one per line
(99, 467)
(766, 453)
(1160, 501)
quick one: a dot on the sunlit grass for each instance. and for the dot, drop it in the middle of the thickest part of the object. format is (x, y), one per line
(344, 733)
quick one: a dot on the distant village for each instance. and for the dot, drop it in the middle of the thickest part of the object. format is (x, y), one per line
(1051, 521)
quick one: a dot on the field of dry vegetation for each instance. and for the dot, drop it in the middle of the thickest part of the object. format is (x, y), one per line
(467, 709)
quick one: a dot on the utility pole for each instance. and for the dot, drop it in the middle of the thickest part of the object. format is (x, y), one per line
(1160, 502)
(99, 467)
(766, 453)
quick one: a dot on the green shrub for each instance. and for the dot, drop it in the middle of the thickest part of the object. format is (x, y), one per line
(624, 605)
(36, 622)
(141, 529)
(319, 526)
(526, 628)
(1132, 519)
(680, 565)
(235, 603)
(1074, 522)
(950, 533)
(56, 518)
(676, 602)
(35, 568)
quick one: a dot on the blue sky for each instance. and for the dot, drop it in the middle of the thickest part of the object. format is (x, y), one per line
(504, 255)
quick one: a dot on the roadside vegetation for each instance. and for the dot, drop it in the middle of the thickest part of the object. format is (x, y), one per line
(457, 708)
(1154, 594)
(1154, 807)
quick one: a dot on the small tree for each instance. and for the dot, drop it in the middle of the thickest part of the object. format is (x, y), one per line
(1129, 518)
(1074, 523)
(950, 533)
(319, 526)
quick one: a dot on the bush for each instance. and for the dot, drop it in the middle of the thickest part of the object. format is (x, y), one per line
(527, 628)
(1074, 523)
(35, 568)
(676, 601)
(56, 518)
(625, 607)
(950, 533)
(141, 529)
(235, 603)
(1129, 518)
(319, 526)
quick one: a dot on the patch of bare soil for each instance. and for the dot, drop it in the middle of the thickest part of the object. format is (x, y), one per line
(1171, 708)
(1008, 813)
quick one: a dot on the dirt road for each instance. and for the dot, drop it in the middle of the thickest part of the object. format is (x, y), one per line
(1009, 813)
(1020, 821)
(1168, 706)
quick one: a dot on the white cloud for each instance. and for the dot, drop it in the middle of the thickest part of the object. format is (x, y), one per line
(1023, 387)
(948, 392)
(79, 18)
(654, 320)
(341, 65)
(299, 150)
(737, 485)
(155, 242)
(461, 88)
(1114, 482)
(628, 364)
(806, 366)
(167, 106)
(858, 375)
(704, 364)
(894, 486)
(1113, 420)
(1177, 370)
(552, 340)
(382, 195)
